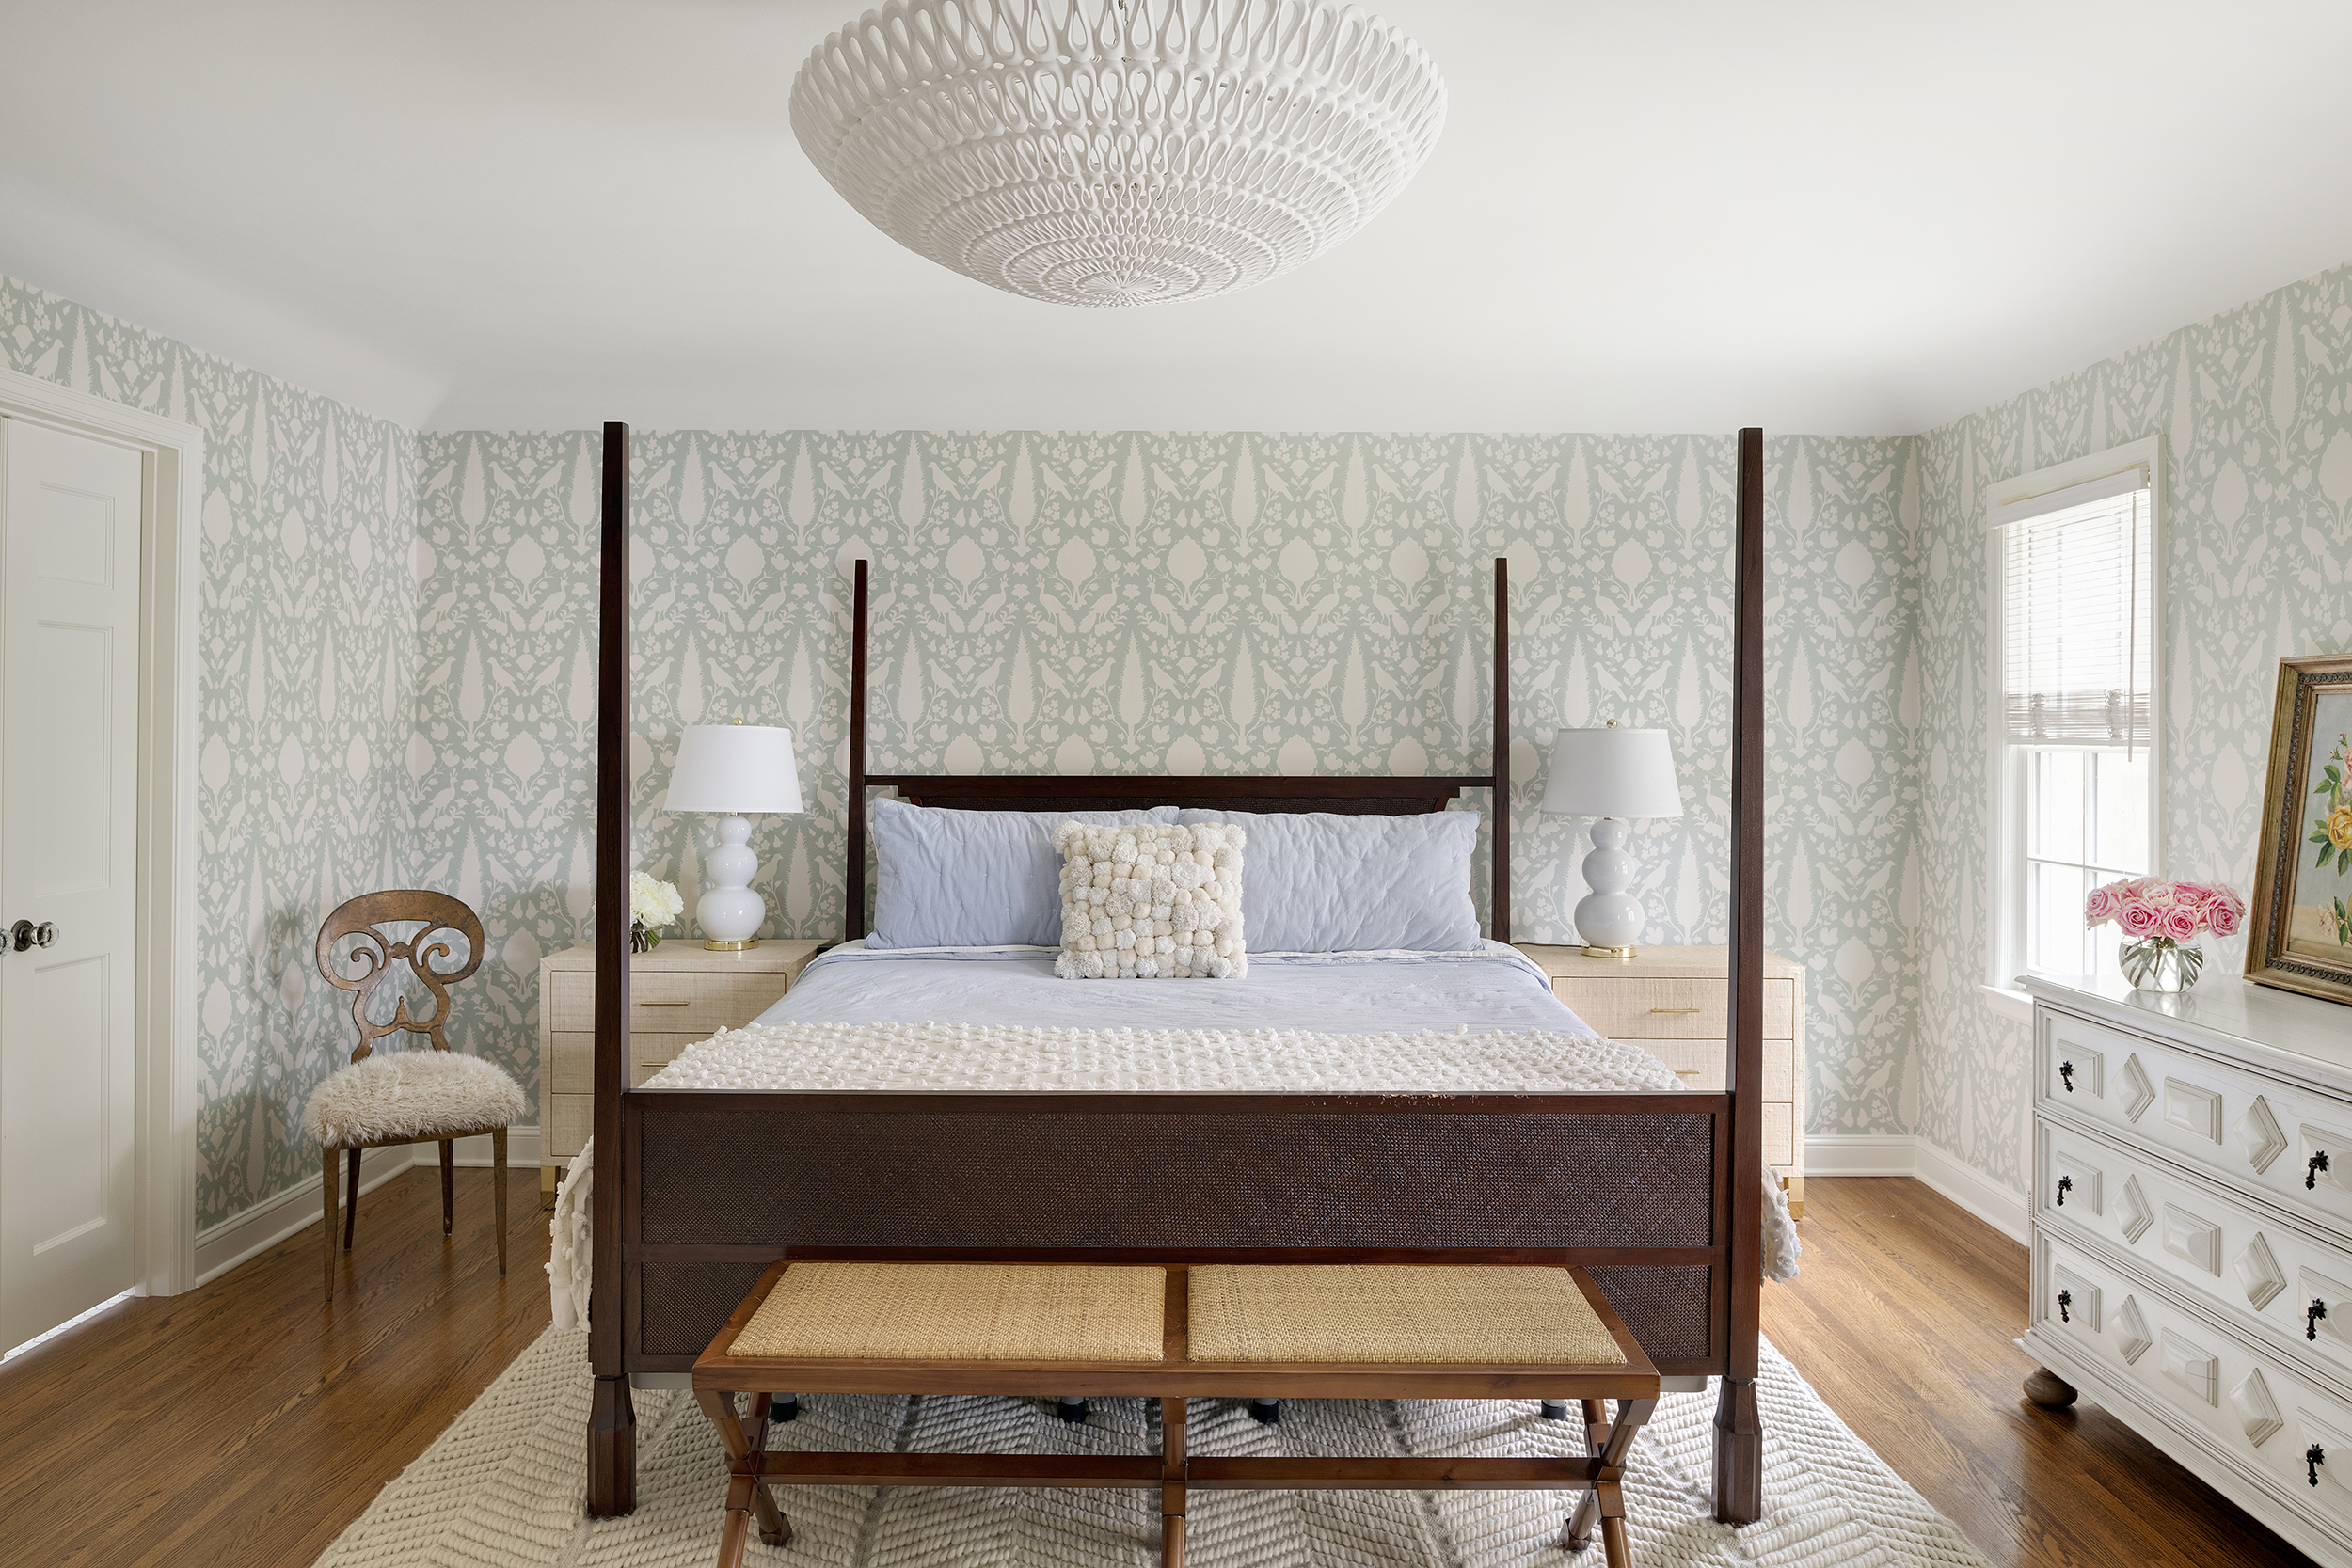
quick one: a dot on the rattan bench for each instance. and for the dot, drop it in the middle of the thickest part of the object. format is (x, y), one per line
(1291, 1330)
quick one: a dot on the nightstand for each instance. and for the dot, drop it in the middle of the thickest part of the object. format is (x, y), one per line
(1675, 1003)
(679, 995)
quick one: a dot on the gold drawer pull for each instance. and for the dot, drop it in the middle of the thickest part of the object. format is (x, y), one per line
(681, 1002)
(1678, 1009)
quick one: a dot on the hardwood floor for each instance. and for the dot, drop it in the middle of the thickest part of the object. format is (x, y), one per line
(242, 1426)
(1903, 1318)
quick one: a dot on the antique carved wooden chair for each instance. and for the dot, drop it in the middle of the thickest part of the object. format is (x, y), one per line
(411, 1096)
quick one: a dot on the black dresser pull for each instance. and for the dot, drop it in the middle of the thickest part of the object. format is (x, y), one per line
(2312, 1168)
(2066, 1299)
(2066, 1075)
(2311, 1315)
(2313, 1457)
(2066, 1184)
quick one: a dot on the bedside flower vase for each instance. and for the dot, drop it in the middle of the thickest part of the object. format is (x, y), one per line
(2161, 965)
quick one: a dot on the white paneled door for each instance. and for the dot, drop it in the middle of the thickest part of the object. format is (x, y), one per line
(69, 857)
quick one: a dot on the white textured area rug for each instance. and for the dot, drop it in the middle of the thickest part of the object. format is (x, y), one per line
(501, 1488)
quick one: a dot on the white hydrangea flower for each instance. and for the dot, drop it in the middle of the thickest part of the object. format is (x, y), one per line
(653, 904)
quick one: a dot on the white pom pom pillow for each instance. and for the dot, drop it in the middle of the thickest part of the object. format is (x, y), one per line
(1151, 901)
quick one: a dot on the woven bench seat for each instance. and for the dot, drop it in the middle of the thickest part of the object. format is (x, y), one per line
(1284, 1330)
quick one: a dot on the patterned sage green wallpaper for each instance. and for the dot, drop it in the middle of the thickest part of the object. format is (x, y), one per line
(308, 656)
(2255, 407)
(1222, 603)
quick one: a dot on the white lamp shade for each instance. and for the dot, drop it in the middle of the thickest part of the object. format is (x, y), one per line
(1612, 773)
(734, 768)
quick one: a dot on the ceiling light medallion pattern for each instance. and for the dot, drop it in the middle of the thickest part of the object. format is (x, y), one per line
(1115, 152)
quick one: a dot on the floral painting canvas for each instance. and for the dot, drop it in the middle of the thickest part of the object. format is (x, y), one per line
(2322, 896)
(2301, 930)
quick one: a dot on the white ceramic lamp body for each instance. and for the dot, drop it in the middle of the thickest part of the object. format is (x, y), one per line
(1611, 773)
(733, 768)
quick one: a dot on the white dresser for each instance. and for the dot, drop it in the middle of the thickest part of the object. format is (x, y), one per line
(2192, 1234)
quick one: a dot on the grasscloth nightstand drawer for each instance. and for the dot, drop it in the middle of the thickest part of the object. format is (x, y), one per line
(680, 994)
(670, 1003)
(1700, 1064)
(576, 1054)
(1657, 1008)
(1675, 1004)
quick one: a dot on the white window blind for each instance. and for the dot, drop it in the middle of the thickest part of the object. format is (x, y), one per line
(2076, 650)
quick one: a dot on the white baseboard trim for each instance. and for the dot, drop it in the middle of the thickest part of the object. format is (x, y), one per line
(1863, 1155)
(224, 1245)
(2003, 1207)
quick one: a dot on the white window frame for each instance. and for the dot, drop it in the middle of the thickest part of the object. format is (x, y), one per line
(2004, 764)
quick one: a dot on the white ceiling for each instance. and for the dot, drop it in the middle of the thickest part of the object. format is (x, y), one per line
(1820, 215)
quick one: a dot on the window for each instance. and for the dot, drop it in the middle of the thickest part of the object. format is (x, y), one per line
(2075, 745)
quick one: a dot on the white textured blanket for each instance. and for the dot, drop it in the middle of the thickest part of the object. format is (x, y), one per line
(819, 1056)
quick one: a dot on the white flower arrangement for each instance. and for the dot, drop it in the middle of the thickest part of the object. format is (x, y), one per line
(652, 905)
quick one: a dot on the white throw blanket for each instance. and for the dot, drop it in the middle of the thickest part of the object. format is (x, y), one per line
(833, 1056)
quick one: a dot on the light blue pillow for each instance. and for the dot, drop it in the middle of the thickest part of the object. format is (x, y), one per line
(1321, 883)
(973, 879)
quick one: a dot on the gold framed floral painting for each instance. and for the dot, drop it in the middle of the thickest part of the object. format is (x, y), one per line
(2299, 936)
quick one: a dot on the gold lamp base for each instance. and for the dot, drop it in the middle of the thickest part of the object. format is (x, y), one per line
(1592, 952)
(745, 946)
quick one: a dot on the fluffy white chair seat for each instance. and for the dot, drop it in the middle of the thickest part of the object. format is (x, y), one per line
(411, 1096)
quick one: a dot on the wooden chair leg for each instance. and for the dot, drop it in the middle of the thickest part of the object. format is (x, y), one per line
(326, 1226)
(351, 1204)
(449, 1188)
(497, 1193)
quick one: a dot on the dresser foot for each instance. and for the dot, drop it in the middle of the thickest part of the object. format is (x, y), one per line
(2049, 1391)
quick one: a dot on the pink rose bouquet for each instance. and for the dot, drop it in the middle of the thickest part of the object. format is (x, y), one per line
(2145, 907)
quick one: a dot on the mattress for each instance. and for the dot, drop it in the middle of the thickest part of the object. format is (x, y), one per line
(1489, 988)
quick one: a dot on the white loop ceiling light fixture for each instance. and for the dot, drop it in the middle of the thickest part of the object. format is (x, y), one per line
(1115, 153)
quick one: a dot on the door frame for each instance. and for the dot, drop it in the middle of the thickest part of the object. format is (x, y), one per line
(163, 1224)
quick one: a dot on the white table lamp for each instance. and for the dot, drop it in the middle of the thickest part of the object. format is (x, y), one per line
(1610, 773)
(731, 770)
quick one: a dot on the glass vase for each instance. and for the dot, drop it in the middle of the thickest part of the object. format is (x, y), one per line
(2160, 963)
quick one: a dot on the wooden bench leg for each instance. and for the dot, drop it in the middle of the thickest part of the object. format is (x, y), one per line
(743, 1449)
(737, 1529)
(1610, 1442)
(1172, 1483)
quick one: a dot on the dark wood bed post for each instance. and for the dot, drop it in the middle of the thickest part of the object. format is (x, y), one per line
(613, 1418)
(853, 883)
(1739, 1432)
(1500, 925)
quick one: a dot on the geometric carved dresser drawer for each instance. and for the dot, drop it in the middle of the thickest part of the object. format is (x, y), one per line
(679, 995)
(2192, 1235)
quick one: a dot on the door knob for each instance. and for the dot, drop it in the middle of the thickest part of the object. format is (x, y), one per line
(24, 935)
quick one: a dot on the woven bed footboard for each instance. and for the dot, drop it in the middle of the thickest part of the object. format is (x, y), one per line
(1631, 1186)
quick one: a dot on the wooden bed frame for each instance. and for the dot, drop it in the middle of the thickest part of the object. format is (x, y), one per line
(1659, 1197)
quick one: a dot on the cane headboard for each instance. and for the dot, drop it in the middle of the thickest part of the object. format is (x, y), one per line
(1378, 795)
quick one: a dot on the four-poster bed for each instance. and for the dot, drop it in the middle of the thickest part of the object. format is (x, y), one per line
(1658, 1195)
